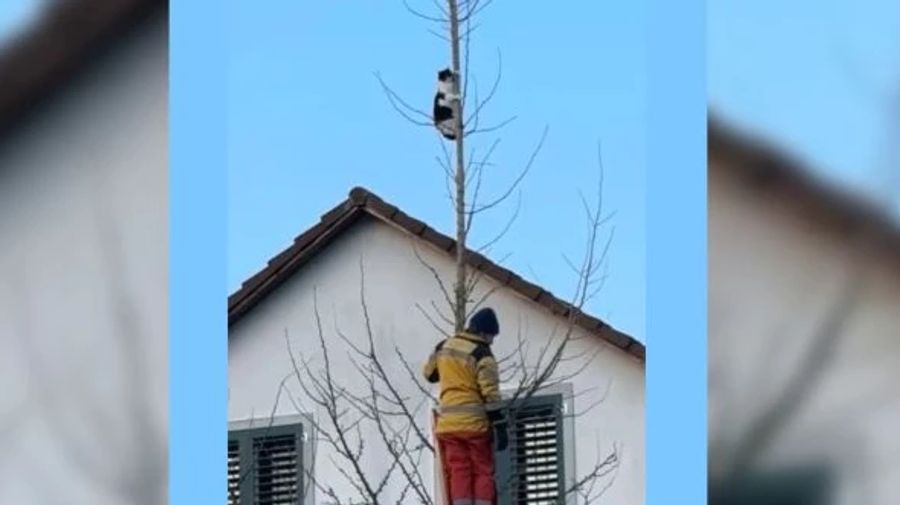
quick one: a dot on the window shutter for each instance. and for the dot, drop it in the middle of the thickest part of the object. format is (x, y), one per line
(265, 466)
(531, 470)
(234, 473)
(278, 475)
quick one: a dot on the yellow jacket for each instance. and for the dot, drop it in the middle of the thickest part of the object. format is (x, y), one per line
(467, 372)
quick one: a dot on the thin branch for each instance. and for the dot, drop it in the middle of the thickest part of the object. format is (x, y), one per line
(490, 129)
(480, 171)
(434, 324)
(506, 228)
(476, 277)
(475, 9)
(382, 374)
(479, 105)
(438, 34)
(422, 15)
(467, 37)
(403, 108)
(434, 273)
(518, 179)
(414, 376)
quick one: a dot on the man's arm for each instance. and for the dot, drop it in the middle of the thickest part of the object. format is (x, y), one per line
(430, 370)
(488, 379)
(489, 384)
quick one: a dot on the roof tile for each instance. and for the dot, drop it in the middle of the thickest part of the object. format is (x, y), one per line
(529, 290)
(439, 240)
(411, 224)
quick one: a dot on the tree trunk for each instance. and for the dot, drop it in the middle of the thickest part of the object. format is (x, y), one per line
(460, 295)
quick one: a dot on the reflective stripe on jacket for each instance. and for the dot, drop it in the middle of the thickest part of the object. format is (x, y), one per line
(467, 372)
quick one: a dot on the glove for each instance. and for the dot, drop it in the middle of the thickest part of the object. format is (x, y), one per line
(497, 417)
(501, 436)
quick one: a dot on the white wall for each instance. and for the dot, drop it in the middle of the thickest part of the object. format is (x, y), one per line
(395, 281)
(83, 287)
(774, 272)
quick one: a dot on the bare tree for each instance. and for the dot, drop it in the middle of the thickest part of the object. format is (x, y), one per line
(359, 425)
(455, 23)
(386, 416)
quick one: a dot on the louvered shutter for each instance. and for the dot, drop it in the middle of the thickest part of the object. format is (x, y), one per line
(531, 470)
(234, 472)
(266, 466)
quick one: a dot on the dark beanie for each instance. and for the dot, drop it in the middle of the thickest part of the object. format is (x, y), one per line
(484, 322)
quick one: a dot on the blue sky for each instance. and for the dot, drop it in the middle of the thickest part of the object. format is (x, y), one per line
(308, 121)
(811, 75)
(15, 14)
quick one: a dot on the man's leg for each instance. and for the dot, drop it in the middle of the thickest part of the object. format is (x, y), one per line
(481, 454)
(455, 459)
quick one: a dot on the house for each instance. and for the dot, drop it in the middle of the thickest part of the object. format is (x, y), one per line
(367, 257)
(83, 213)
(788, 337)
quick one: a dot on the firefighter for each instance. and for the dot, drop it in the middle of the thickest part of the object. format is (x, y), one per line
(466, 370)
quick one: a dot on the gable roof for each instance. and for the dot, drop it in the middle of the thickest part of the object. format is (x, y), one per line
(768, 168)
(362, 202)
(64, 40)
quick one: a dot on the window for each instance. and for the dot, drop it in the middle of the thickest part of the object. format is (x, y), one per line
(266, 461)
(532, 468)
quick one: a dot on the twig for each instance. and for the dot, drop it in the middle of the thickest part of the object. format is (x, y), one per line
(402, 107)
(518, 179)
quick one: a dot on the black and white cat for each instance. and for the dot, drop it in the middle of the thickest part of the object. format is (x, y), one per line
(444, 119)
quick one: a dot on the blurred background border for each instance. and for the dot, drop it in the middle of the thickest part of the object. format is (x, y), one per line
(84, 262)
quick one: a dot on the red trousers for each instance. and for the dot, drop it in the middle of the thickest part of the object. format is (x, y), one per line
(468, 461)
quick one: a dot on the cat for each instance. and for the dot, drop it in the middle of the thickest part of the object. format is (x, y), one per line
(444, 120)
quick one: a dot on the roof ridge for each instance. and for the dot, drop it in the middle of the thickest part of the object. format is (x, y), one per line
(766, 162)
(360, 194)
